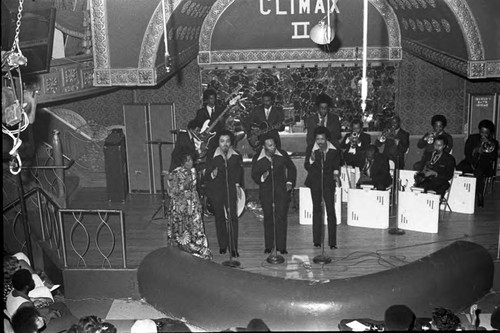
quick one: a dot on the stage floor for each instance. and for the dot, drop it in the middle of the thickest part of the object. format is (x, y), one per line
(360, 251)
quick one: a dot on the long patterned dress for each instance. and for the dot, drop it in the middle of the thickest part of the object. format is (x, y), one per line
(186, 224)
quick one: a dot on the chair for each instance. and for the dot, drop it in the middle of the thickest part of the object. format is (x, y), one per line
(489, 182)
(444, 200)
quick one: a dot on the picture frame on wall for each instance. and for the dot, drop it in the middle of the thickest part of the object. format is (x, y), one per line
(482, 106)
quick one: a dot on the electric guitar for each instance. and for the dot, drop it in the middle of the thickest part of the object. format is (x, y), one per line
(256, 130)
(205, 135)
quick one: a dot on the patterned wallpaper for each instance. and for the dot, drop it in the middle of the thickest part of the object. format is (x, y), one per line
(296, 89)
(183, 90)
(426, 90)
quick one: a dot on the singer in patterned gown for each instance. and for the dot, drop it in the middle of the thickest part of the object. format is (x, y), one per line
(186, 223)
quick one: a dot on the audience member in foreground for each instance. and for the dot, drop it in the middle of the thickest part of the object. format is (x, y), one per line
(445, 320)
(27, 320)
(91, 324)
(399, 318)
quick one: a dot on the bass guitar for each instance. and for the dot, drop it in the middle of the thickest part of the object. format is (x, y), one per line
(256, 130)
(204, 137)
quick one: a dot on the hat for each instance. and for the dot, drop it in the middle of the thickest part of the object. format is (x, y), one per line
(399, 318)
(144, 326)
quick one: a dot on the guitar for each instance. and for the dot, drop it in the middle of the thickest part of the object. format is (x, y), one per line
(259, 129)
(203, 138)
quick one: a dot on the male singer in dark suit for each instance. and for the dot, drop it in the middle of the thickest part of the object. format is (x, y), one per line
(225, 162)
(375, 170)
(355, 144)
(397, 141)
(325, 118)
(438, 172)
(272, 166)
(323, 160)
(269, 114)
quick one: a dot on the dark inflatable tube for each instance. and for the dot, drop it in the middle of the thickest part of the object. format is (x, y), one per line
(216, 297)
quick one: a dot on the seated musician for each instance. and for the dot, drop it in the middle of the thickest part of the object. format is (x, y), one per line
(266, 116)
(396, 142)
(438, 171)
(375, 170)
(426, 143)
(481, 152)
(354, 144)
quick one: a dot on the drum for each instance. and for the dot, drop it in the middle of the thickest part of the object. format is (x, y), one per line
(242, 200)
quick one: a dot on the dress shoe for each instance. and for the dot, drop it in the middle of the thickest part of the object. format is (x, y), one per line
(317, 245)
(266, 251)
(235, 254)
(333, 247)
(222, 251)
(283, 251)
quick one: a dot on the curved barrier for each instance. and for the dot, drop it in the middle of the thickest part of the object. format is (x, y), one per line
(216, 297)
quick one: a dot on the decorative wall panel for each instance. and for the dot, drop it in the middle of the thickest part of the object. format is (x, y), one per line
(296, 89)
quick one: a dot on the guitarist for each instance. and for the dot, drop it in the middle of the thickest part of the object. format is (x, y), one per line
(265, 116)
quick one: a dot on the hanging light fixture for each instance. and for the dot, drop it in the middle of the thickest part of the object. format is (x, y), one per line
(168, 59)
(323, 33)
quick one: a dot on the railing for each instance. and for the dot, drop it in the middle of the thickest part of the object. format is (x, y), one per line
(103, 222)
(52, 230)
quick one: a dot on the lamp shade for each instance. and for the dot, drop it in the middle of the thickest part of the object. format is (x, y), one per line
(319, 34)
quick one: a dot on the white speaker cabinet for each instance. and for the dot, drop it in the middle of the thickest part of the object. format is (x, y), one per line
(462, 195)
(306, 207)
(368, 208)
(418, 211)
(349, 176)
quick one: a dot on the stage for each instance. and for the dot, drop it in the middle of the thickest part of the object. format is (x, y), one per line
(361, 251)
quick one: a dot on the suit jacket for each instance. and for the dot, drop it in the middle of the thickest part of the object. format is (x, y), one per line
(396, 152)
(283, 171)
(445, 167)
(379, 171)
(357, 158)
(332, 123)
(202, 116)
(429, 148)
(217, 185)
(258, 116)
(330, 165)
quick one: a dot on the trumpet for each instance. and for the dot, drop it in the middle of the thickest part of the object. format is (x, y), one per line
(387, 134)
(487, 146)
(354, 139)
(430, 138)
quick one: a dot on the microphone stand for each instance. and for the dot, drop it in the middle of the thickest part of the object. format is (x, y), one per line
(230, 262)
(322, 259)
(274, 257)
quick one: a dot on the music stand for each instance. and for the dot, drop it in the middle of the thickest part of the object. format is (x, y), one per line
(163, 206)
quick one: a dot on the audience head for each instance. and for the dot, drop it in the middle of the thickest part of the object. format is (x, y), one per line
(399, 318)
(438, 123)
(10, 266)
(27, 320)
(445, 320)
(486, 128)
(91, 324)
(210, 96)
(225, 138)
(267, 99)
(257, 325)
(440, 143)
(323, 103)
(23, 281)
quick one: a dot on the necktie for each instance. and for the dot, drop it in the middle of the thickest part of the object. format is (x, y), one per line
(322, 122)
(267, 113)
(209, 109)
(435, 157)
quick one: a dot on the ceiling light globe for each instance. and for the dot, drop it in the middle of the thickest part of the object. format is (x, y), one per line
(319, 34)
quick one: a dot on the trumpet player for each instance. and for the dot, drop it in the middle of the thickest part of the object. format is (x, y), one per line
(426, 143)
(481, 152)
(438, 171)
(396, 142)
(354, 144)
